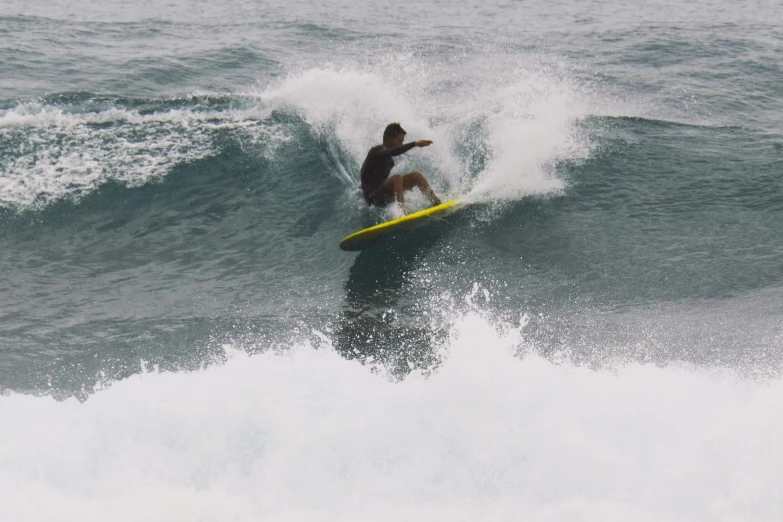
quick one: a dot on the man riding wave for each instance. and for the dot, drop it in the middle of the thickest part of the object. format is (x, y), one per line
(378, 187)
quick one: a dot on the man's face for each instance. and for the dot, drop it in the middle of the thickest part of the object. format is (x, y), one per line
(398, 139)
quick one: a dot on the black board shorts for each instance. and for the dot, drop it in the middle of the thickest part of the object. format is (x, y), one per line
(380, 197)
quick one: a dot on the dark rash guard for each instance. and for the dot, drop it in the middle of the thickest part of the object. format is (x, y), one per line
(377, 167)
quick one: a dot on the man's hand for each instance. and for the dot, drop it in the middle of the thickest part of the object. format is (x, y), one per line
(423, 143)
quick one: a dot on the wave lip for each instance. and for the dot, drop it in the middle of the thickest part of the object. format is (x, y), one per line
(500, 128)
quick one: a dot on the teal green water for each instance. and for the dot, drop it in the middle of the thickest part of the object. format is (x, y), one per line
(598, 335)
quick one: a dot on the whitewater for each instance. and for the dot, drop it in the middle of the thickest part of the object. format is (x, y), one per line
(304, 434)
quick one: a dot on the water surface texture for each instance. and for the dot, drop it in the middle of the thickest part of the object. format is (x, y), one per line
(597, 336)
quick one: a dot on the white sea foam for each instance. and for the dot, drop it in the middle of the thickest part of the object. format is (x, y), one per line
(530, 126)
(61, 154)
(489, 435)
(520, 119)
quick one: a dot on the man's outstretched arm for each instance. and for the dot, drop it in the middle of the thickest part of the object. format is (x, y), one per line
(401, 149)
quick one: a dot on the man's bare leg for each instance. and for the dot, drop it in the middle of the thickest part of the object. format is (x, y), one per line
(415, 179)
(395, 185)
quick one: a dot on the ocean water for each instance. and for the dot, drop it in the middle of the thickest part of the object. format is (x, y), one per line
(598, 335)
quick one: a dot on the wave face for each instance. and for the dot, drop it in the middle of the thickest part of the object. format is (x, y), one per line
(597, 335)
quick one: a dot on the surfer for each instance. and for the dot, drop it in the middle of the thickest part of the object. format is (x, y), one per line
(378, 187)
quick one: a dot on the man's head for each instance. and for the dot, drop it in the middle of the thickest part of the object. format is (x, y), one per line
(394, 134)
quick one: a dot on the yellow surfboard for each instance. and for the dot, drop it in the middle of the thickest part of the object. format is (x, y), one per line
(369, 236)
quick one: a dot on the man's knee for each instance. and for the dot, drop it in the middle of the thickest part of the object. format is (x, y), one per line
(414, 178)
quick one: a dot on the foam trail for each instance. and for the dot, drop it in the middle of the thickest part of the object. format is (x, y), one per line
(51, 153)
(307, 435)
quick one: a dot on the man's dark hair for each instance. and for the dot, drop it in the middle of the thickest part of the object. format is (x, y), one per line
(393, 130)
